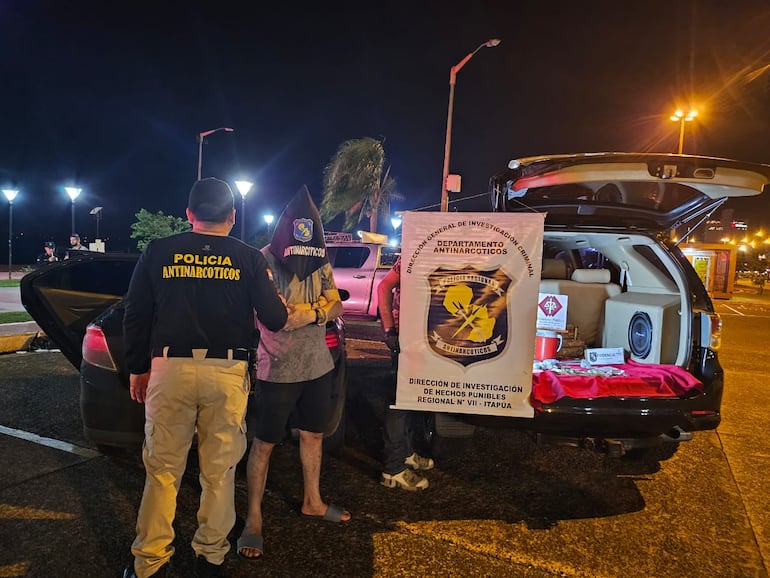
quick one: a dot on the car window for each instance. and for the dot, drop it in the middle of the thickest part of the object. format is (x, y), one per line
(389, 256)
(650, 255)
(348, 257)
(109, 277)
(590, 258)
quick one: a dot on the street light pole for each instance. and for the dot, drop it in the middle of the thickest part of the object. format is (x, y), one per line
(201, 136)
(97, 213)
(10, 194)
(73, 193)
(680, 117)
(243, 187)
(448, 141)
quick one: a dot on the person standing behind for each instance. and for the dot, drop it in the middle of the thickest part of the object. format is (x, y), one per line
(75, 245)
(48, 255)
(294, 367)
(188, 327)
(400, 459)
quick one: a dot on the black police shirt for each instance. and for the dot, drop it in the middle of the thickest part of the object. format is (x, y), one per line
(197, 291)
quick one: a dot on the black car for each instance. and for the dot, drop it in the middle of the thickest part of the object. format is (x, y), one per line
(78, 303)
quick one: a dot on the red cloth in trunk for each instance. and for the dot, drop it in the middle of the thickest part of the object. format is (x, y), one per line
(641, 380)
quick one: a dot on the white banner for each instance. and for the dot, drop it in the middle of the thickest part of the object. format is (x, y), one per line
(469, 288)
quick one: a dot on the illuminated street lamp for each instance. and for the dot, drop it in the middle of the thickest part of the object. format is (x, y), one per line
(681, 118)
(269, 218)
(203, 135)
(243, 187)
(73, 193)
(10, 194)
(396, 222)
(448, 142)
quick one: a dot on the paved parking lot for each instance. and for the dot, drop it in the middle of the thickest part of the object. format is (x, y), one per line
(499, 505)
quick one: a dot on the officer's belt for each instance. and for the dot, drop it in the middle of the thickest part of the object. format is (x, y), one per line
(237, 354)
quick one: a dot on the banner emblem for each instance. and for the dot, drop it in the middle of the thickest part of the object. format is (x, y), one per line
(468, 316)
(303, 230)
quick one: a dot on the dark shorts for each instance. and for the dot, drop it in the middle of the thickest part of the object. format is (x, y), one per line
(305, 405)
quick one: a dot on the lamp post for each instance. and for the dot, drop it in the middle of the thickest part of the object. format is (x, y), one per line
(10, 194)
(681, 118)
(201, 136)
(269, 218)
(73, 193)
(447, 143)
(97, 213)
(243, 187)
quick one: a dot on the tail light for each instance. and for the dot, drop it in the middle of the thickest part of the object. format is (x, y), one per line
(711, 330)
(95, 349)
(332, 339)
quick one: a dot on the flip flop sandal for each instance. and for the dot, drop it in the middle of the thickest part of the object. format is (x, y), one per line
(253, 541)
(333, 514)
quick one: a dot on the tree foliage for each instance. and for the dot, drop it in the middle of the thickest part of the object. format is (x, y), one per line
(151, 226)
(357, 184)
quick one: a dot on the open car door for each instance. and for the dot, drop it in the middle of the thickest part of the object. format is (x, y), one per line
(64, 297)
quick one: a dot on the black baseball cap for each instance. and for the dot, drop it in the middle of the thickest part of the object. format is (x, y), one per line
(50, 244)
(211, 200)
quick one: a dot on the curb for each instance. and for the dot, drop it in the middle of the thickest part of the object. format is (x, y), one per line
(18, 342)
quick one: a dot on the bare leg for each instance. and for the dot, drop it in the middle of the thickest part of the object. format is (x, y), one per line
(310, 451)
(256, 478)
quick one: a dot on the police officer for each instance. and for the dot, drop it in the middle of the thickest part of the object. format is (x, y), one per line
(48, 255)
(188, 325)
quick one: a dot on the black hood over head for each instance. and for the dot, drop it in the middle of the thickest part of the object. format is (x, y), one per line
(298, 239)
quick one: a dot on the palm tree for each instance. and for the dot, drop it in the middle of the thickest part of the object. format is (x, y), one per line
(356, 184)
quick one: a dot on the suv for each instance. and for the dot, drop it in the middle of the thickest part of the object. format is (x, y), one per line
(608, 245)
(358, 269)
(78, 303)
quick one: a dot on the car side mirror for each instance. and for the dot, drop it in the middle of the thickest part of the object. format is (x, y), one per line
(344, 294)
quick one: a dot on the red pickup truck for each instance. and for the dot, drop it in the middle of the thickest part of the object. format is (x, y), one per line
(358, 268)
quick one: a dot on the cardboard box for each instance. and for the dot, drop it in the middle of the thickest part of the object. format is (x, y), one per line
(605, 355)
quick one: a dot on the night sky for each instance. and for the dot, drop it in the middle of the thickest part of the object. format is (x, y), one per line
(110, 96)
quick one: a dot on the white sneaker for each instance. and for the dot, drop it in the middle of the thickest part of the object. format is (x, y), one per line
(418, 462)
(407, 480)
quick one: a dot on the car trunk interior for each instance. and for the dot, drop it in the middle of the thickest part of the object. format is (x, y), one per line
(619, 296)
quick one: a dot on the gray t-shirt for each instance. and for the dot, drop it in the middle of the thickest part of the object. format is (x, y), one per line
(300, 355)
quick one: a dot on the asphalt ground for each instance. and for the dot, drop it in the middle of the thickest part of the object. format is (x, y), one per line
(498, 506)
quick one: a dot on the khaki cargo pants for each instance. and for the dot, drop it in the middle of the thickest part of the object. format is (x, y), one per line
(182, 393)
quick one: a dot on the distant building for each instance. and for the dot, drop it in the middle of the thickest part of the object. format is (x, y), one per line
(715, 264)
(713, 231)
